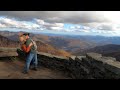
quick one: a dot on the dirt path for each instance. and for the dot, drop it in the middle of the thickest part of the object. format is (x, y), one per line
(13, 70)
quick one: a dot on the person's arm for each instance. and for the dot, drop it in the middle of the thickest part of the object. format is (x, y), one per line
(25, 48)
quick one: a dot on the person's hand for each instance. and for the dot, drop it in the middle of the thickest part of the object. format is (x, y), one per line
(31, 44)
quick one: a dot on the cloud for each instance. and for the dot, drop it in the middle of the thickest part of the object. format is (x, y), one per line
(12, 23)
(36, 24)
(39, 21)
(54, 26)
(79, 28)
(109, 27)
(58, 16)
(2, 25)
(49, 26)
(82, 21)
(105, 27)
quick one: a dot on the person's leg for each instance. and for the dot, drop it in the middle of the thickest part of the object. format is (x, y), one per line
(32, 64)
(35, 60)
(28, 61)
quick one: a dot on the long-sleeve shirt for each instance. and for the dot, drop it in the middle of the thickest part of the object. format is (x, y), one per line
(26, 46)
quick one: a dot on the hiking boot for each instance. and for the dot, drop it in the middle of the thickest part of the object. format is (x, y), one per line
(25, 72)
(35, 69)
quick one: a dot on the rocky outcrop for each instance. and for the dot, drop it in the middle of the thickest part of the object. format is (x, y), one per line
(8, 52)
(91, 66)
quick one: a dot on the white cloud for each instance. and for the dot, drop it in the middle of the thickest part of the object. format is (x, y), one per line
(113, 16)
(108, 26)
(51, 26)
(56, 28)
(54, 19)
(12, 23)
(37, 24)
(76, 17)
(105, 27)
(86, 27)
(77, 27)
(59, 24)
(2, 25)
(39, 21)
(72, 27)
(86, 21)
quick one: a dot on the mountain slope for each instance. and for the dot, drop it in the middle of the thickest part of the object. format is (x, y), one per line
(68, 44)
(111, 50)
(42, 47)
(105, 49)
(5, 42)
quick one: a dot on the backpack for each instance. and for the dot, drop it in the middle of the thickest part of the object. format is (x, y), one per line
(34, 43)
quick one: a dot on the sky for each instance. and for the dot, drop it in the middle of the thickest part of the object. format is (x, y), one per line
(104, 23)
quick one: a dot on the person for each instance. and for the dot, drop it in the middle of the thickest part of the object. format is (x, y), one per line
(31, 53)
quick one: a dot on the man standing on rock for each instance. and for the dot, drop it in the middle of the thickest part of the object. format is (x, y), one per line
(29, 47)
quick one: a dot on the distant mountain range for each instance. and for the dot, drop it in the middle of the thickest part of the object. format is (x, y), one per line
(59, 42)
(5, 42)
(111, 50)
(74, 44)
(11, 40)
